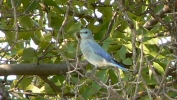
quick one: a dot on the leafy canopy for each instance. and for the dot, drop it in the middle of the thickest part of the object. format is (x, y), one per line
(45, 31)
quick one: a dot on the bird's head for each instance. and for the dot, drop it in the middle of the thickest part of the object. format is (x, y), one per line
(85, 33)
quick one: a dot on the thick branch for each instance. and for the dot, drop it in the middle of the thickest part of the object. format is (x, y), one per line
(150, 24)
(41, 69)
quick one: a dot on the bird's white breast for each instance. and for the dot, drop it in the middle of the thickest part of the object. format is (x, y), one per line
(90, 55)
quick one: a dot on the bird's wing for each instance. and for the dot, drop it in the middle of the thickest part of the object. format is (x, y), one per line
(97, 49)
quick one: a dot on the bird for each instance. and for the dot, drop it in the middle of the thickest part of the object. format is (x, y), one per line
(94, 53)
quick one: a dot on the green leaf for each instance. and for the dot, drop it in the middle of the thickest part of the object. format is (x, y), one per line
(122, 25)
(24, 35)
(56, 22)
(26, 22)
(48, 89)
(24, 3)
(107, 13)
(112, 76)
(102, 75)
(100, 32)
(33, 4)
(151, 49)
(95, 87)
(37, 37)
(74, 28)
(158, 67)
(10, 36)
(86, 92)
(106, 44)
(151, 40)
(122, 52)
(52, 3)
(28, 54)
(54, 59)
(25, 82)
(150, 80)
(127, 61)
(34, 89)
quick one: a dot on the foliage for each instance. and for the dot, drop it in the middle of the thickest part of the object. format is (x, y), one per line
(132, 31)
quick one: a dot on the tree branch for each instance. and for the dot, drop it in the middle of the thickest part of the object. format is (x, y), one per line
(41, 69)
(52, 85)
(150, 24)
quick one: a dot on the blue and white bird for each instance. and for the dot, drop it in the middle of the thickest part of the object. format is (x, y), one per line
(94, 53)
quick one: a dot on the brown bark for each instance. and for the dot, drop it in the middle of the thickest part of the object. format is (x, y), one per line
(41, 69)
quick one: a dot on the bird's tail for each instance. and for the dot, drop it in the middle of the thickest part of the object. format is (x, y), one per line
(119, 65)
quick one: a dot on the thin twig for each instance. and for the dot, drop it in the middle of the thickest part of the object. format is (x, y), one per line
(65, 21)
(157, 54)
(15, 20)
(133, 31)
(168, 97)
(110, 26)
(163, 79)
(140, 69)
(19, 80)
(52, 85)
(146, 86)
(103, 85)
(153, 71)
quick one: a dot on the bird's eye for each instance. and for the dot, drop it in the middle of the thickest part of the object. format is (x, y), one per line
(86, 32)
